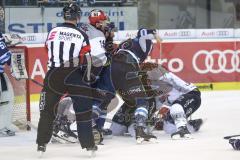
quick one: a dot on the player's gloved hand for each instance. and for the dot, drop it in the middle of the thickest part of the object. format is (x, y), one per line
(163, 111)
(97, 135)
(235, 143)
(152, 31)
(109, 47)
(146, 32)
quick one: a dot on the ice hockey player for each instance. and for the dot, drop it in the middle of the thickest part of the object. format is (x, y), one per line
(6, 93)
(125, 63)
(69, 64)
(101, 32)
(132, 90)
(177, 100)
(63, 131)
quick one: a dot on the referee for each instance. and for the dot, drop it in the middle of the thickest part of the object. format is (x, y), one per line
(69, 65)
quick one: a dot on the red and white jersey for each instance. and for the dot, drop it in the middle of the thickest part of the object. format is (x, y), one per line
(97, 41)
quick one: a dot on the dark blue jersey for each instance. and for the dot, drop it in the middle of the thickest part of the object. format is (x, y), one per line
(137, 48)
(5, 54)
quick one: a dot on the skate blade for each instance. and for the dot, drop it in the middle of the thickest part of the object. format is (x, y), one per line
(153, 140)
(40, 154)
(139, 140)
(178, 137)
(142, 140)
(92, 154)
(107, 136)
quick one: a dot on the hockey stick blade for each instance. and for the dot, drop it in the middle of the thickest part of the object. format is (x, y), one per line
(228, 137)
(4, 103)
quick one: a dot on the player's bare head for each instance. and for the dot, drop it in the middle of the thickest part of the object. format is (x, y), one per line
(98, 18)
(72, 12)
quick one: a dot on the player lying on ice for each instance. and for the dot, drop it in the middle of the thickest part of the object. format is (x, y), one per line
(176, 101)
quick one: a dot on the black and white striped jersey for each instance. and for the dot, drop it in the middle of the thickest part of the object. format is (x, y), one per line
(67, 46)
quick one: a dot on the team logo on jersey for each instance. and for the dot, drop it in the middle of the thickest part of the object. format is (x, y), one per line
(67, 36)
(52, 35)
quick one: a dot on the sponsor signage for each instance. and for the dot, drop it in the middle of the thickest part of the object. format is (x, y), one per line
(201, 62)
(43, 19)
(36, 38)
(177, 34)
(197, 62)
(215, 33)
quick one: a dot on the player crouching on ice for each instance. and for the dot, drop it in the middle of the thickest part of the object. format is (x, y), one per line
(6, 93)
(126, 60)
(176, 101)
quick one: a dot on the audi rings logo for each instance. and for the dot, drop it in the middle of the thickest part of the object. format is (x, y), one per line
(225, 63)
(29, 38)
(222, 33)
(184, 33)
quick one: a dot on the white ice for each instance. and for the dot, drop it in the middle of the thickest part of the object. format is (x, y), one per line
(221, 109)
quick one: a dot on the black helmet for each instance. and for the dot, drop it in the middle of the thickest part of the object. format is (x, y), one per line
(71, 12)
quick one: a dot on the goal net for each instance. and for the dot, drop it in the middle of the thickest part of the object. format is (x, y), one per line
(21, 109)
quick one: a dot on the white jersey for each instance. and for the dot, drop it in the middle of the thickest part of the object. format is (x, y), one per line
(168, 80)
(180, 87)
(97, 41)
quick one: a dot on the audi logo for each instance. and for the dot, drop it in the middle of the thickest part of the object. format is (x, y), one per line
(29, 38)
(222, 33)
(221, 61)
(184, 33)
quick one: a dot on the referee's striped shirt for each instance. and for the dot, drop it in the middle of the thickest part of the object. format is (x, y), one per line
(66, 46)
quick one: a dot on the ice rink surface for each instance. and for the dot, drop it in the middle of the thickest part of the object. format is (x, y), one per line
(221, 109)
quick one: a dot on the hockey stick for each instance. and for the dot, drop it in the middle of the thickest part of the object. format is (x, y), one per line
(159, 41)
(4, 103)
(228, 137)
(36, 82)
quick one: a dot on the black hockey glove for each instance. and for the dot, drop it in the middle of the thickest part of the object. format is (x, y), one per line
(235, 143)
(98, 137)
(144, 32)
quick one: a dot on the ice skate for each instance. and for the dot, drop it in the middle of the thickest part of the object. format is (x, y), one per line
(63, 137)
(6, 133)
(41, 149)
(196, 124)
(142, 136)
(182, 133)
(107, 133)
(92, 150)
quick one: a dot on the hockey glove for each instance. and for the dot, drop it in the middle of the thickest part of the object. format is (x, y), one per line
(163, 111)
(145, 32)
(98, 137)
(235, 143)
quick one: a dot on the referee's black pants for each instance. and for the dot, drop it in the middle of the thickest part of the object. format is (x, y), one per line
(60, 81)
